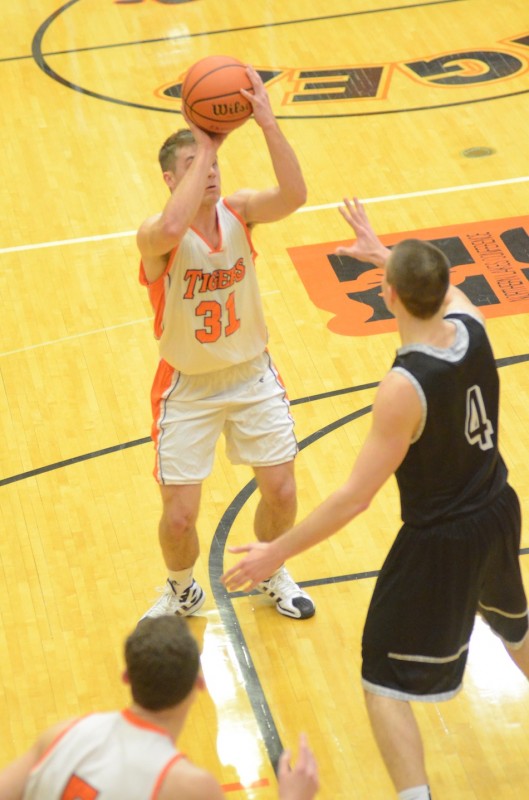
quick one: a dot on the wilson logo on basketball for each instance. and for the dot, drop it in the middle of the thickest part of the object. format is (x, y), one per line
(229, 109)
(489, 262)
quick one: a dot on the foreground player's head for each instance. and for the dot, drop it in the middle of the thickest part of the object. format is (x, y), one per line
(162, 662)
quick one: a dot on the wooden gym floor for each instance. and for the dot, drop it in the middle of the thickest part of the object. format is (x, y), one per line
(420, 109)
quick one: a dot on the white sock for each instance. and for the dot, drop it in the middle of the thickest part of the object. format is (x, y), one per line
(182, 577)
(416, 793)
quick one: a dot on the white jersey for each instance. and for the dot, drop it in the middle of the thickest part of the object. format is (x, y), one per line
(109, 756)
(208, 312)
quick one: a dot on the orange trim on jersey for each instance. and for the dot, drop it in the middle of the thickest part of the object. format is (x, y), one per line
(245, 226)
(211, 248)
(237, 787)
(163, 380)
(157, 298)
(163, 773)
(139, 722)
(53, 744)
(157, 292)
(143, 277)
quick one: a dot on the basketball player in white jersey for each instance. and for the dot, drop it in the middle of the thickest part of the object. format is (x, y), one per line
(215, 374)
(435, 425)
(131, 754)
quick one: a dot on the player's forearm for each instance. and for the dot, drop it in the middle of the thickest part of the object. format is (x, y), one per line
(327, 519)
(13, 777)
(286, 166)
(184, 202)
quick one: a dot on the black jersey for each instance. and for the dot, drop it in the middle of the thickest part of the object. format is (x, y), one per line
(453, 467)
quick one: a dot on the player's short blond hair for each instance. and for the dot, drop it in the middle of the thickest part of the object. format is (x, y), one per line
(172, 146)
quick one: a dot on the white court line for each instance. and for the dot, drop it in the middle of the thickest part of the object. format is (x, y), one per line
(425, 193)
(385, 198)
(75, 336)
(91, 333)
(389, 198)
(41, 245)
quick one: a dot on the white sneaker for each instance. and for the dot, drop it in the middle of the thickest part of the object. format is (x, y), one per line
(290, 599)
(170, 602)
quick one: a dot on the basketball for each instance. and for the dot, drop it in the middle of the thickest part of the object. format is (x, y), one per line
(211, 96)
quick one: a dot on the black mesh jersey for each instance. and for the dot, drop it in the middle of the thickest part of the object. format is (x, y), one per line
(453, 467)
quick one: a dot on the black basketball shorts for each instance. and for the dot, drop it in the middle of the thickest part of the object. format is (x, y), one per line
(431, 585)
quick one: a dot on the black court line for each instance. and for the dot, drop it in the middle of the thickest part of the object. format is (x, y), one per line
(223, 599)
(327, 581)
(105, 451)
(500, 362)
(241, 29)
(40, 59)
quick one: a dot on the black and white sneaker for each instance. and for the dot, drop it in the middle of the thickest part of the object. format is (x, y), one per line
(291, 601)
(182, 604)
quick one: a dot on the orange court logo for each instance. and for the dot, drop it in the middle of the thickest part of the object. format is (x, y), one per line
(347, 90)
(489, 262)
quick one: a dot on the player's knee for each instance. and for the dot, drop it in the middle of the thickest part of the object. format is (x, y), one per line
(281, 494)
(177, 522)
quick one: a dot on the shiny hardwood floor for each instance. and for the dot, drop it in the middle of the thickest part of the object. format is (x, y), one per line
(419, 108)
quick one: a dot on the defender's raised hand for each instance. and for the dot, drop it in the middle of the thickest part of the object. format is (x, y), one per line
(368, 246)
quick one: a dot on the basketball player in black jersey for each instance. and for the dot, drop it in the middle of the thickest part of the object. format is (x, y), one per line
(435, 425)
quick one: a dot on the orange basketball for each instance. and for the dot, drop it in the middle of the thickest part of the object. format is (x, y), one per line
(211, 96)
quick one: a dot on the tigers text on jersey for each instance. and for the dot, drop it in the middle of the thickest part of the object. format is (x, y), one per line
(208, 311)
(109, 756)
(453, 467)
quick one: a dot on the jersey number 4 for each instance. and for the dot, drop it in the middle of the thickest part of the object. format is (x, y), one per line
(212, 311)
(478, 427)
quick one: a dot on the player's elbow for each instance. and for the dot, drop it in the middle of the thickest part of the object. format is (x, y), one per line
(349, 504)
(354, 498)
(363, 506)
(292, 199)
(299, 195)
(171, 230)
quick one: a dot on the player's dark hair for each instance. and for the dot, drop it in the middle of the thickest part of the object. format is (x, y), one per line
(163, 660)
(420, 274)
(171, 147)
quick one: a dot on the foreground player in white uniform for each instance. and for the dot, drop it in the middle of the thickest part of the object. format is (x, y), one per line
(435, 425)
(215, 375)
(131, 754)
